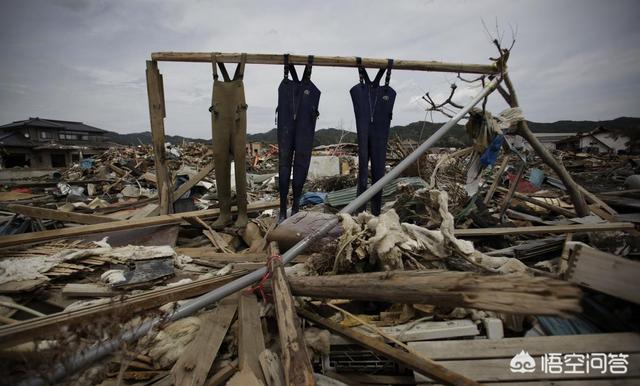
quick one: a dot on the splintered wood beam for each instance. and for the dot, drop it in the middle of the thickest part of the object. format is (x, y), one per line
(420, 364)
(176, 218)
(328, 61)
(577, 228)
(295, 358)
(511, 293)
(50, 214)
(155, 91)
(193, 366)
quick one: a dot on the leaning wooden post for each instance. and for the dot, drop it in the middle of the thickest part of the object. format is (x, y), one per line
(579, 203)
(157, 114)
(295, 359)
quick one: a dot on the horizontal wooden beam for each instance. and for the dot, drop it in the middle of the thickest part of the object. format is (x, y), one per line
(176, 218)
(604, 227)
(50, 214)
(328, 61)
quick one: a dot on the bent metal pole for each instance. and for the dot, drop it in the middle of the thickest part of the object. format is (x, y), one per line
(104, 348)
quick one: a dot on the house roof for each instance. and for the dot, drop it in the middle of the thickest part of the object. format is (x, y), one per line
(15, 140)
(54, 124)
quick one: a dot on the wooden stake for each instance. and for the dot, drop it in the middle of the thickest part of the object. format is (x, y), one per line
(295, 359)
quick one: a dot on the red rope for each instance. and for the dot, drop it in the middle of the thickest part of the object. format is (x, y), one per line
(267, 275)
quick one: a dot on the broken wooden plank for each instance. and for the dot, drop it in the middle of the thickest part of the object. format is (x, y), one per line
(511, 293)
(595, 200)
(193, 365)
(250, 337)
(207, 253)
(614, 275)
(87, 290)
(496, 179)
(428, 330)
(271, 368)
(295, 359)
(145, 211)
(497, 370)
(417, 363)
(538, 345)
(50, 214)
(193, 180)
(221, 376)
(176, 218)
(47, 326)
(481, 232)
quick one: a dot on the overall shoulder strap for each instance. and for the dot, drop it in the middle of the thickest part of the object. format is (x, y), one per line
(286, 66)
(360, 69)
(376, 80)
(307, 69)
(213, 65)
(223, 71)
(389, 67)
(239, 74)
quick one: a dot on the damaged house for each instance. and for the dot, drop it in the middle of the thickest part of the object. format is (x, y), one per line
(48, 143)
(600, 140)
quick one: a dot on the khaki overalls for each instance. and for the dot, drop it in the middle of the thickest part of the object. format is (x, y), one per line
(229, 131)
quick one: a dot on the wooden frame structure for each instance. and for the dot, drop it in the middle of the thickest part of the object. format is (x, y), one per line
(157, 112)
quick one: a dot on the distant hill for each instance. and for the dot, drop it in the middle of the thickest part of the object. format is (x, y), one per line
(144, 138)
(418, 131)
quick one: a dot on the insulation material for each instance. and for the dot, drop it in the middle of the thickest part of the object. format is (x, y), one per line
(26, 268)
(170, 342)
(388, 243)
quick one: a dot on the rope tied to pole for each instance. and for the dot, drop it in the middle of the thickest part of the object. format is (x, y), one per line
(259, 286)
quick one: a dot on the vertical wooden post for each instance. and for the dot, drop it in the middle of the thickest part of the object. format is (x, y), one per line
(295, 359)
(155, 92)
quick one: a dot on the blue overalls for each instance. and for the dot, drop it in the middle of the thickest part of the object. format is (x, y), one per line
(296, 117)
(373, 106)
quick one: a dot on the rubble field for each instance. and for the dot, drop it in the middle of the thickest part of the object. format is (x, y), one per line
(465, 267)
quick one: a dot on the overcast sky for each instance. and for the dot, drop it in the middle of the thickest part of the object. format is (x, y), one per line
(85, 59)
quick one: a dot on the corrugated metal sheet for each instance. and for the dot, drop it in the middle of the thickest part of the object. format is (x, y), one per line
(341, 198)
